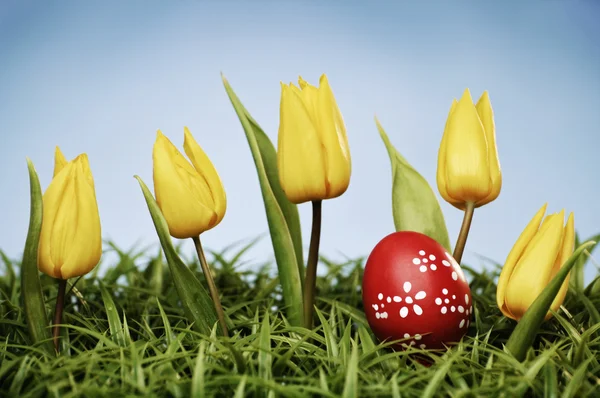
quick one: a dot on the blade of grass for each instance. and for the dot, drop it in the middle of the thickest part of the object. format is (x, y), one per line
(198, 375)
(112, 314)
(572, 389)
(351, 382)
(264, 354)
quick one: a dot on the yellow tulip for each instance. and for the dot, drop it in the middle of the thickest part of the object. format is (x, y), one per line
(312, 155)
(190, 196)
(468, 167)
(534, 260)
(71, 239)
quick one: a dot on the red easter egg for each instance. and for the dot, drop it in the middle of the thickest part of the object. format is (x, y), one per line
(413, 289)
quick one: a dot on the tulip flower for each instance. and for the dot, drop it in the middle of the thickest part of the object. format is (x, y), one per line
(468, 166)
(190, 195)
(70, 239)
(191, 198)
(70, 242)
(468, 172)
(534, 260)
(313, 159)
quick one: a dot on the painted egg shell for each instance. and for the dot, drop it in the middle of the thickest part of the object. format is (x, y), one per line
(413, 289)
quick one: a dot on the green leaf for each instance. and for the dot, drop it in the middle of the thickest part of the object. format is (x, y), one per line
(196, 302)
(31, 289)
(414, 205)
(576, 282)
(282, 215)
(524, 334)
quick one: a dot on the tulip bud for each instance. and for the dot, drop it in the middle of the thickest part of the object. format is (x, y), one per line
(190, 196)
(468, 167)
(70, 238)
(313, 157)
(534, 260)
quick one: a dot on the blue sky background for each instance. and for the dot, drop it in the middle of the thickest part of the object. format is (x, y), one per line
(102, 77)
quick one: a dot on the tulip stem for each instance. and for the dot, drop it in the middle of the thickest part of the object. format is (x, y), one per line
(212, 288)
(58, 311)
(311, 266)
(464, 232)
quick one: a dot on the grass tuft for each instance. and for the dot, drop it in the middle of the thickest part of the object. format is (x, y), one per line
(127, 335)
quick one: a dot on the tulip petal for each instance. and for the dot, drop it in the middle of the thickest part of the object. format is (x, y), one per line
(207, 170)
(299, 151)
(568, 245)
(310, 98)
(467, 171)
(181, 193)
(514, 256)
(486, 114)
(86, 243)
(335, 142)
(441, 169)
(534, 269)
(51, 250)
(59, 161)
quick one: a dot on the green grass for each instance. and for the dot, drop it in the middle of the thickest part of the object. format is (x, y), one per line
(127, 336)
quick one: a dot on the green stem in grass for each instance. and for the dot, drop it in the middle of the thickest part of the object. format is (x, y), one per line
(58, 312)
(212, 288)
(464, 232)
(311, 266)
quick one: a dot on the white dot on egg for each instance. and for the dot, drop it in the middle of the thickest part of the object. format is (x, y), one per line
(432, 257)
(423, 268)
(466, 298)
(422, 252)
(438, 301)
(406, 335)
(446, 301)
(444, 310)
(453, 308)
(454, 275)
(420, 295)
(380, 296)
(417, 309)
(389, 299)
(397, 299)
(445, 291)
(407, 286)
(453, 296)
(403, 312)
(408, 299)
(416, 261)
(462, 323)
(433, 267)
